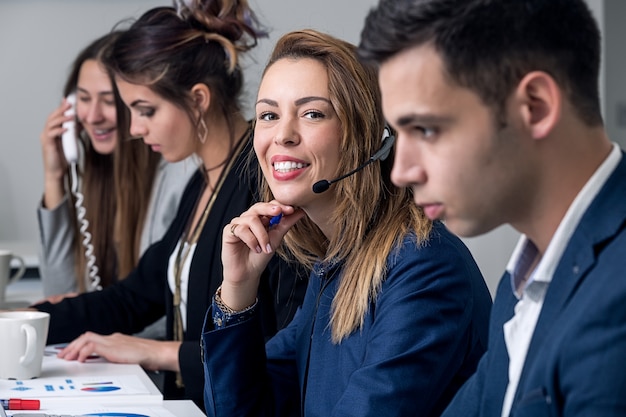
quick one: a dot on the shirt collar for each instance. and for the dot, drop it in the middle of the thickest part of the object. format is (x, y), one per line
(525, 251)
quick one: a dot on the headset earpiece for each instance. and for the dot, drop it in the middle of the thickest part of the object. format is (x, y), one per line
(385, 148)
(382, 153)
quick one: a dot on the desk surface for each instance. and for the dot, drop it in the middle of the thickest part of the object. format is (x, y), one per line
(29, 290)
(71, 387)
(185, 408)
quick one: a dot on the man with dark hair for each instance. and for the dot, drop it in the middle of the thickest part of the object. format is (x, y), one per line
(497, 113)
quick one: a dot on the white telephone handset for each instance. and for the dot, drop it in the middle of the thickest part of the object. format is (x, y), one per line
(68, 139)
(70, 150)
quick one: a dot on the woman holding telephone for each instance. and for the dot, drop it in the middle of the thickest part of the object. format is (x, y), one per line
(127, 194)
(178, 72)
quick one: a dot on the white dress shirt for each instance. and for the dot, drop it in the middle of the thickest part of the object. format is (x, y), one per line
(519, 330)
(184, 277)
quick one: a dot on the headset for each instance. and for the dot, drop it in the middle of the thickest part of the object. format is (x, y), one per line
(381, 154)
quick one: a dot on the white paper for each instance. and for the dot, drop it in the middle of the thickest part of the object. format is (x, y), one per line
(73, 386)
(102, 410)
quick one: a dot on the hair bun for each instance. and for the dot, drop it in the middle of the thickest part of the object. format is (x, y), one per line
(183, 7)
(231, 19)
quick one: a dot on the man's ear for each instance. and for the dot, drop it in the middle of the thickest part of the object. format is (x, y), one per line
(540, 101)
(201, 96)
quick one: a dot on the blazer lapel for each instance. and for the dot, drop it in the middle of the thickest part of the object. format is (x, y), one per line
(602, 220)
(498, 367)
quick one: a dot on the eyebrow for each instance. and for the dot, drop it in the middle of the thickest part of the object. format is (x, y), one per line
(298, 102)
(138, 102)
(100, 93)
(428, 119)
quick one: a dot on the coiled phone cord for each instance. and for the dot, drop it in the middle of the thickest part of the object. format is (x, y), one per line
(92, 268)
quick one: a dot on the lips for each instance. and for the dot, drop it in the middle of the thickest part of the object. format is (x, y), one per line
(102, 134)
(155, 147)
(288, 166)
(432, 211)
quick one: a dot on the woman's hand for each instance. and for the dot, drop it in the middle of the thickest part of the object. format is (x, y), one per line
(55, 299)
(248, 244)
(54, 163)
(151, 354)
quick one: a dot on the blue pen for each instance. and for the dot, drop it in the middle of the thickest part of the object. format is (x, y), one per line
(275, 220)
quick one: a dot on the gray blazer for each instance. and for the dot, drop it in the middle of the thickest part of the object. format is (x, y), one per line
(56, 257)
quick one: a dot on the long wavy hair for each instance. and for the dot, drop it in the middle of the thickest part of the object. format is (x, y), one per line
(372, 216)
(116, 188)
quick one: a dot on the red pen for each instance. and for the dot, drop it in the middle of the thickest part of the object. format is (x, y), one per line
(17, 404)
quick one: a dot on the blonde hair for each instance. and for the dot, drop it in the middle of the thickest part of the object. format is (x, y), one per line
(372, 216)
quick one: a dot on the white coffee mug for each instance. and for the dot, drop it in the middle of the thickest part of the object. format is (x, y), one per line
(5, 271)
(23, 335)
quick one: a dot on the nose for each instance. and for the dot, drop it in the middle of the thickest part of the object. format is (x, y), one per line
(286, 133)
(94, 112)
(136, 129)
(407, 168)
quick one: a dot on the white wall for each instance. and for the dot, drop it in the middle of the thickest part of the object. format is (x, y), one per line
(615, 99)
(39, 39)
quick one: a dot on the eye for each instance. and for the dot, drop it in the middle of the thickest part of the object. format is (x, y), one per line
(146, 112)
(426, 132)
(314, 114)
(267, 116)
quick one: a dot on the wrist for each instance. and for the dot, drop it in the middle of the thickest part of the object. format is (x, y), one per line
(165, 357)
(224, 316)
(234, 305)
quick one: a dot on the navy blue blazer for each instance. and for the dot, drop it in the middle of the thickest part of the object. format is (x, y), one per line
(576, 361)
(421, 339)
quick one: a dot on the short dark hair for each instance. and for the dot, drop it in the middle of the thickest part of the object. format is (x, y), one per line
(488, 46)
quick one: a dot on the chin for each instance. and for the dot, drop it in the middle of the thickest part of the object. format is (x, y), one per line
(103, 148)
(287, 198)
(465, 228)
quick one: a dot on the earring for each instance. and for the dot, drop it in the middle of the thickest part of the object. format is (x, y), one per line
(203, 131)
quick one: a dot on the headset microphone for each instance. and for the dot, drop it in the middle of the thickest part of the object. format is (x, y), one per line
(381, 154)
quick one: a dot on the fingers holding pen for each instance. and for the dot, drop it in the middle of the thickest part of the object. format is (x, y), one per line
(263, 226)
(249, 242)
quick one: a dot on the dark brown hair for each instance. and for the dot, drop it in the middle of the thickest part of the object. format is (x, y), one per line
(116, 188)
(170, 51)
(488, 46)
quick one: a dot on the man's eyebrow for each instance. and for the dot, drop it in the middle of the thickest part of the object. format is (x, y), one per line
(427, 119)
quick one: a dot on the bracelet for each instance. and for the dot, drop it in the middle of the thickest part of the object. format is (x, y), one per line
(225, 316)
(227, 310)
